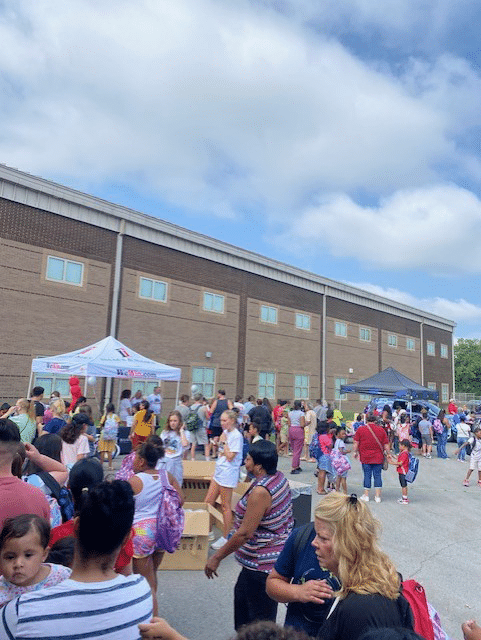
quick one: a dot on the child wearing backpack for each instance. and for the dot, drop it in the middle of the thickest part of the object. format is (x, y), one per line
(108, 436)
(402, 465)
(173, 445)
(324, 460)
(339, 461)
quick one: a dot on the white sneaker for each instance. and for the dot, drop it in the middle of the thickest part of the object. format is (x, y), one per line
(219, 543)
(364, 498)
(211, 536)
(377, 499)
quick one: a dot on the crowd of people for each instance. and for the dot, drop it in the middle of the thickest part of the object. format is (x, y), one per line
(79, 553)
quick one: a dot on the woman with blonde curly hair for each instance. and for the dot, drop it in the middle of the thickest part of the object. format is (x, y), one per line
(346, 544)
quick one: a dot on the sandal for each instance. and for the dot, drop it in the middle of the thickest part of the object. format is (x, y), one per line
(322, 493)
(466, 483)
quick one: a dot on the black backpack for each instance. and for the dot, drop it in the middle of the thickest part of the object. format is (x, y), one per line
(61, 494)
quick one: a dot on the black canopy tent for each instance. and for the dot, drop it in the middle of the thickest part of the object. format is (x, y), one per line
(392, 384)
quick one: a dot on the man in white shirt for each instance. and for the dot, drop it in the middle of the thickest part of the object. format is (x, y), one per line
(155, 400)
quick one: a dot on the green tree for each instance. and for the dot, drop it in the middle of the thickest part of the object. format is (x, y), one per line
(467, 366)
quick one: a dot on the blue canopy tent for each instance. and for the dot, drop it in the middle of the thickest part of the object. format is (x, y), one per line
(392, 384)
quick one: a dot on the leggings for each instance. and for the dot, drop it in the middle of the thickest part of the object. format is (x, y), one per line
(296, 440)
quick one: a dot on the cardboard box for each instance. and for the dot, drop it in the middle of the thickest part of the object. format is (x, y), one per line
(197, 477)
(191, 554)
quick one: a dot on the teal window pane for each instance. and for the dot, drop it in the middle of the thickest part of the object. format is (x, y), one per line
(146, 287)
(160, 291)
(55, 268)
(73, 272)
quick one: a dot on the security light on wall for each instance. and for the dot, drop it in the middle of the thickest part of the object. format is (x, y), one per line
(208, 354)
(351, 370)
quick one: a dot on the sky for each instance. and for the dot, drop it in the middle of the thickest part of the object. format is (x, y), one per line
(339, 136)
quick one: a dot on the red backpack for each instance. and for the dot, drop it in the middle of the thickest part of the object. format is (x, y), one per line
(416, 596)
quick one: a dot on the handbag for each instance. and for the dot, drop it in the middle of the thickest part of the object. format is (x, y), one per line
(385, 463)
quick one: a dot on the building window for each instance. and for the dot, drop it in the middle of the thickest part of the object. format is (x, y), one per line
(268, 314)
(444, 351)
(444, 392)
(430, 348)
(432, 386)
(153, 289)
(213, 302)
(61, 270)
(301, 387)
(52, 383)
(364, 397)
(204, 379)
(410, 344)
(146, 386)
(392, 340)
(364, 334)
(267, 384)
(340, 329)
(303, 321)
(337, 389)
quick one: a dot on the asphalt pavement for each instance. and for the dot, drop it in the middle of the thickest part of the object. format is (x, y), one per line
(435, 540)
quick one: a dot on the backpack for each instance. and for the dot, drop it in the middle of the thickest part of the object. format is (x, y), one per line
(412, 469)
(170, 517)
(438, 426)
(245, 450)
(110, 429)
(315, 447)
(340, 463)
(61, 494)
(193, 420)
(416, 596)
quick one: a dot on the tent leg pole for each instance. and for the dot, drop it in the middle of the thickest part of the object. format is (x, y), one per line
(29, 384)
(108, 391)
(177, 393)
(85, 386)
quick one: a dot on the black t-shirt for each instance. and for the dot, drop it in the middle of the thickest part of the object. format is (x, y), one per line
(39, 409)
(263, 414)
(357, 613)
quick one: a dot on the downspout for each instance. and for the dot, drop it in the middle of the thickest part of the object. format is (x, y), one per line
(323, 345)
(422, 351)
(453, 395)
(116, 295)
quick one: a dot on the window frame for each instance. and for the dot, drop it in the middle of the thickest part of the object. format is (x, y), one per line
(266, 386)
(445, 392)
(268, 309)
(428, 344)
(66, 262)
(410, 340)
(203, 383)
(444, 351)
(340, 323)
(154, 281)
(214, 297)
(368, 329)
(301, 387)
(338, 396)
(432, 386)
(390, 342)
(306, 316)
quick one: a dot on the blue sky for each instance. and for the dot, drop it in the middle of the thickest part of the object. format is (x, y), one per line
(341, 136)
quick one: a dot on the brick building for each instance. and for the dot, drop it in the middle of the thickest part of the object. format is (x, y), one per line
(75, 268)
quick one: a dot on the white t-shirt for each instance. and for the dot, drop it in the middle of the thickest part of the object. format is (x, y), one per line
(155, 400)
(124, 409)
(172, 444)
(227, 473)
(463, 430)
(475, 447)
(109, 610)
(71, 451)
(340, 445)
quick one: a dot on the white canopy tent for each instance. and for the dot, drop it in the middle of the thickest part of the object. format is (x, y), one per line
(107, 358)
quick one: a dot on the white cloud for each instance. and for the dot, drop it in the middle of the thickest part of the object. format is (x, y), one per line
(213, 105)
(413, 228)
(460, 311)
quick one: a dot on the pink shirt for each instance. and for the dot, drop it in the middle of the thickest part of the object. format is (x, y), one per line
(71, 451)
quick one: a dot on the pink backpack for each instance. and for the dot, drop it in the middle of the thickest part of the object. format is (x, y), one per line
(170, 517)
(339, 462)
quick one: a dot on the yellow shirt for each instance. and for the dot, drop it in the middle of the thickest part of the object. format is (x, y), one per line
(142, 428)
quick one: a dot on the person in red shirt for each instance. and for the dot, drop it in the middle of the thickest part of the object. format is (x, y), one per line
(17, 497)
(84, 475)
(402, 464)
(371, 445)
(452, 407)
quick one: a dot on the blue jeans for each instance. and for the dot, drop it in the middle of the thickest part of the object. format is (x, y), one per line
(372, 470)
(441, 444)
(462, 453)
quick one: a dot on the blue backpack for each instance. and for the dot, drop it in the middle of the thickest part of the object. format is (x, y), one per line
(315, 450)
(413, 469)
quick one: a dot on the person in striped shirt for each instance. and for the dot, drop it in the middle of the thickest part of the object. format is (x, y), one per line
(95, 601)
